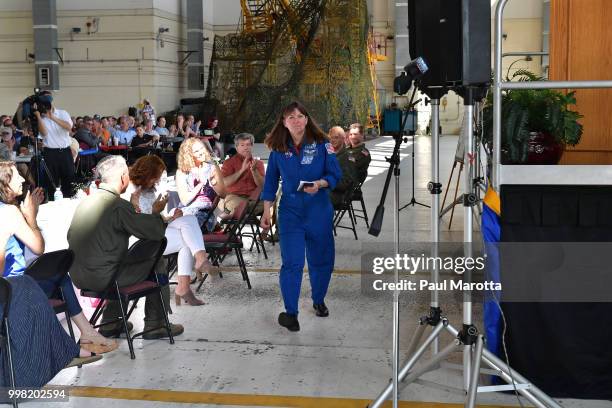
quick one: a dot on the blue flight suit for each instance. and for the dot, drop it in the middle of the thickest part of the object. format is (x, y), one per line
(304, 220)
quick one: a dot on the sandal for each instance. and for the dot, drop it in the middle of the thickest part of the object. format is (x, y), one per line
(79, 361)
(96, 348)
(97, 344)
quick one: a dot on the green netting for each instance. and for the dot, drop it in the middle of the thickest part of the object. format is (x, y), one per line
(315, 51)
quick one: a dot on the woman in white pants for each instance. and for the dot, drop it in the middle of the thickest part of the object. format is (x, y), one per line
(183, 232)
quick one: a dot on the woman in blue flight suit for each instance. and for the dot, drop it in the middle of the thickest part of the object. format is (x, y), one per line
(300, 151)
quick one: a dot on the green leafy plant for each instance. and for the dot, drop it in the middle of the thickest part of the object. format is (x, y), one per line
(532, 110)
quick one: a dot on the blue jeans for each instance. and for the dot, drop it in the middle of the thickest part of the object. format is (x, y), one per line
(51, 285)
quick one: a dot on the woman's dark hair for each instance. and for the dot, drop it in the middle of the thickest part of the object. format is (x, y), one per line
(7, 196)
(146, 169)
(279, 136)
(210, 122)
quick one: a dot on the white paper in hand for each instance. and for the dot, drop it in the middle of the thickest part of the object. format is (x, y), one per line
(305, 184)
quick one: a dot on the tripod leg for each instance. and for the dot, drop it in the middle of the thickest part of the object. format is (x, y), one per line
(450, 222)
(431, 363)
(534, 394)
(473, 388)
(450, 178)
(418, 334)
(384, 395)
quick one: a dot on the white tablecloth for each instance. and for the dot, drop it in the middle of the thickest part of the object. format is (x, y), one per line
(54, 220)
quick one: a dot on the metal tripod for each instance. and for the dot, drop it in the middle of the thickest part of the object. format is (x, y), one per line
(413, 201)
(468, 339)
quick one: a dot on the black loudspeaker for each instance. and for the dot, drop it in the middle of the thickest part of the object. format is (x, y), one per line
(454, 38)
(476, 35)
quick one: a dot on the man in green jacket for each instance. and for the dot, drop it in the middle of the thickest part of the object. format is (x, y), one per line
(336, 138)
(358, 155)
(99, 236)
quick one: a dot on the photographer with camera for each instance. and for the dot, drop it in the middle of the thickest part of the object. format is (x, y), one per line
(54, 126)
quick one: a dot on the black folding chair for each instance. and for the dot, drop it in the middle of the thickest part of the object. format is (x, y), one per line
(143, 255)
(51, 265)
(5, 337)
(219, 246)
(358, 196)
(253, 221)
(346, 207)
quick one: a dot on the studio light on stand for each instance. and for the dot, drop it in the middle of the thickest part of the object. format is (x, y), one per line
(401, 85)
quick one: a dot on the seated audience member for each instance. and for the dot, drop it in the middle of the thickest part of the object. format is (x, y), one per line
(100, 131)
(198, 180)
(88, 140)
(7, 144)
(9, 151)
(17, 133)
(357, 153)
(161, 127)
(173, 131)
(99, 236)
(182, 127)
(183, 231)
(85, 136)
(20, 224)
(124, 134)
(242, 174)
(26, 144)
(141, 143)
(40, 348)
(214, 134)
(149, 131)
(195, 126)
(110, 124)
(349, 172)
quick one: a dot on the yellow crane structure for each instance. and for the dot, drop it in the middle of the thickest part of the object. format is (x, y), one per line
(315, 51)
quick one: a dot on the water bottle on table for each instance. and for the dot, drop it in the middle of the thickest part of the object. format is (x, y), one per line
(57, 196)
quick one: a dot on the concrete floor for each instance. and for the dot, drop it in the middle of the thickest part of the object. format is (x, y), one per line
(233, 352)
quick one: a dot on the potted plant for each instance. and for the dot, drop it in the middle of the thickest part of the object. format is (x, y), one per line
(536, 125)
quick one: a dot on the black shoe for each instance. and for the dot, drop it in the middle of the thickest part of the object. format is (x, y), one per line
(289, 321)
(114, 330)
(321, 310)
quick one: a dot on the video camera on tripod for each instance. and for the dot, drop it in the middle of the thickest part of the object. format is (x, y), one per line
(39, 102)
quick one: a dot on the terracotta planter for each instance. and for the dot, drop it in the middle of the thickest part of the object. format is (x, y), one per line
(544, 149)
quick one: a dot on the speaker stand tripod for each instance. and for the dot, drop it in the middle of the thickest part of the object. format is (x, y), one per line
(468, 339)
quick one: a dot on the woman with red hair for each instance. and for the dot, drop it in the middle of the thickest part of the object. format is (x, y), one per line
(183, 231)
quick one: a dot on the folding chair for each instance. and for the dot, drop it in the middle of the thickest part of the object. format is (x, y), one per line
(51, 265)
(219, 246)
(358, 196)
(211, 213)
(253, 221)
(85, 161)
(143, 254)
(5, 337)
(346, 207)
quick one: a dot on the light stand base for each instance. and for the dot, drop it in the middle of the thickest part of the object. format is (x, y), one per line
(413, 202)
(516, 382)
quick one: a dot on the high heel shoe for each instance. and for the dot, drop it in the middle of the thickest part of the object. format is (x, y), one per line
(189, 299)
